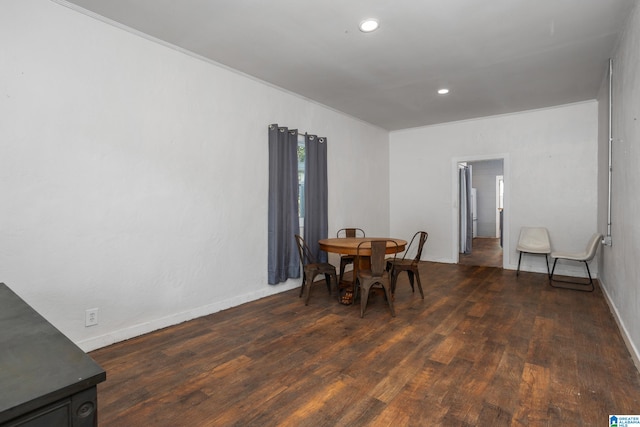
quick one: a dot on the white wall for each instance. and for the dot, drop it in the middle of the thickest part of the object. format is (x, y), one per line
(620, 271)
(134, 177)
(550, 178)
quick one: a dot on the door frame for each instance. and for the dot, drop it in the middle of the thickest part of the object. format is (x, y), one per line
(455, 191)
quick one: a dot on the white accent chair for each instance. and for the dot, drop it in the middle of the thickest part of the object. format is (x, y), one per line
(586, 256)
(534, 240)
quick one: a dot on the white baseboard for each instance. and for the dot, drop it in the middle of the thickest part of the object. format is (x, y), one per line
(129, 332)
(635, 354)
(577, 271)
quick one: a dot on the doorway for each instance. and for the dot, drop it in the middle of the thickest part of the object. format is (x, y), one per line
(480, 235)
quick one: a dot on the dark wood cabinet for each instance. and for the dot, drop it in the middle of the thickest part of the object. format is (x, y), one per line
(45, 379)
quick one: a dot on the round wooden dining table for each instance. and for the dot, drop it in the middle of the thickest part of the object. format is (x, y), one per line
(349, 246)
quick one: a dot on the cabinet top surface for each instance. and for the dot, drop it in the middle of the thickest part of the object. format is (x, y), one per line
(38, 364)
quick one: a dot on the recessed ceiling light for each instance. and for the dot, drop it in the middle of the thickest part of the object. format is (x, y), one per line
(443, 91)
(368, 25)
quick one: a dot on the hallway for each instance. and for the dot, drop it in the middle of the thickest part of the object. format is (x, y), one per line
(486, 252)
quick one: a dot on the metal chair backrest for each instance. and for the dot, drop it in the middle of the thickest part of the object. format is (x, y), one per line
(423, 235)
(306, 257)
(351, 232)
(377, 256)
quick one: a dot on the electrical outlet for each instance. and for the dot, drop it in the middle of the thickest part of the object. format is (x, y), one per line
(91, 317)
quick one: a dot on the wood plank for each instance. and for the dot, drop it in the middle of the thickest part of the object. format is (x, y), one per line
(482, 348)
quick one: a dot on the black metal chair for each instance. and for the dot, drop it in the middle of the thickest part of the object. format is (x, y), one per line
(396, 266)
(348, 259)
(586, 256)
(311, 268)
(377, 274)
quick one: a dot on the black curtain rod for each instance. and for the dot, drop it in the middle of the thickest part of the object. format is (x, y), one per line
(320, 138)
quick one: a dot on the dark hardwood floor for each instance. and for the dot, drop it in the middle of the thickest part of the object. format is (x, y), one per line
(484, 348)
(486, 252)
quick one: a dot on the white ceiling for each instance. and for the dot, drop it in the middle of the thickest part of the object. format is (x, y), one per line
(495, 56)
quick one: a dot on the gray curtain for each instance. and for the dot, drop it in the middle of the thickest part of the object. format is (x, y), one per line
(283, 222)
(315, 200)
(466, 216)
